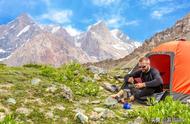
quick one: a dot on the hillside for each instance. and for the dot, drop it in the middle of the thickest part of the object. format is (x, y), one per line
(72, 94)
(44, 94)
(180, 30)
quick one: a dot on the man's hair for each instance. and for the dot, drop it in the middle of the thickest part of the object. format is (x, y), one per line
(144, 59)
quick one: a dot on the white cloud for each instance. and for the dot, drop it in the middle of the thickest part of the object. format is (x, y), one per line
(158, 14)
(133, 22)
(103, 2)
(72, 31)
(56, 16)
(153, 2)
(115, 22)
(119, 21)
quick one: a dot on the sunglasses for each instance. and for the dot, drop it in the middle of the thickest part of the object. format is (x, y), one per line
(142, 66)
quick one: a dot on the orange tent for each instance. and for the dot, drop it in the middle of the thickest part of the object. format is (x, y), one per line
(172, 59)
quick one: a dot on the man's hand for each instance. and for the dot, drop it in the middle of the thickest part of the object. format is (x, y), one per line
(131, 79)
(140, 85)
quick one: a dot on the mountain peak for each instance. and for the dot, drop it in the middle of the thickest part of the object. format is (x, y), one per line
(98, 25)
(24, 17)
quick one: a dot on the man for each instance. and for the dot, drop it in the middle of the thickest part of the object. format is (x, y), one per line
(151, 82)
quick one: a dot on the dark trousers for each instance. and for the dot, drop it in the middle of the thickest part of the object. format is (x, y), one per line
(139, 94)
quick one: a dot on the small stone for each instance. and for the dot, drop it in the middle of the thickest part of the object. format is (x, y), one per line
(11, 101)
(51, 89)
(35, 81)
(23, 110)
(96, 102)
(188, 101)
(107, 114)
(59, 107)
(109, 102)
(98, 109)
(95, 116)
(110, 87)
(97, 77)
(49, 114)
(138, 120)
(2, 116)
(82, 117)
(86, 79)
(66, 92)
(84, 101)
(97, 70)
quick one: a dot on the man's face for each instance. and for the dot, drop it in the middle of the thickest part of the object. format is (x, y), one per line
(144, 66)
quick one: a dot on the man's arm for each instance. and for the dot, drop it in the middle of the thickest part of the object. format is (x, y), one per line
(156, 81)
(134, 75)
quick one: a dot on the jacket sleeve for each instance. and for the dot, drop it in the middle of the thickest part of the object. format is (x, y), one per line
(157, 80)
(134, 75)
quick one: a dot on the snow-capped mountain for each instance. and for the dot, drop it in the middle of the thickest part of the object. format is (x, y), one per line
(101, 43)
(24, 41)
(16, 33)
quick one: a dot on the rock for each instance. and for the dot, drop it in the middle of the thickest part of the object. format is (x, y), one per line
(86, 79)
(82, 117)
(97, 70)
(84, 101)
(59, 107)
(4, 109)
(188, 101)
(66, 92)
(4, 92)
(2, 116)
(49, 114)
(138, 120)
(35, 81)
(98, 109)
(51, 89)
(107, 114)
(96, 102)
(11, 101)
(6, 85)
(76, 72)
(97, 77)
(65, 120)
(110, 87)
(109, 102)
(95, 116)
(23, 110)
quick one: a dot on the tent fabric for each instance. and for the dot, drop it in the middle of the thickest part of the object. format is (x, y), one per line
(181, 73)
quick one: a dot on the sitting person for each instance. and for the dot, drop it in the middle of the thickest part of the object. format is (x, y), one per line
(151, 82)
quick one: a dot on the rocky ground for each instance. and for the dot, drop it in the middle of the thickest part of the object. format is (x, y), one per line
(69, 94)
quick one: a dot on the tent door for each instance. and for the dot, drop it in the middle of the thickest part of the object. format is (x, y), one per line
(164, 63)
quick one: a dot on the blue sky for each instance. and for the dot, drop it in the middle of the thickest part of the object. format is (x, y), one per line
(139, 19)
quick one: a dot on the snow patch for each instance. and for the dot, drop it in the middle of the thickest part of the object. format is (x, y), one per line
(119, 46)
(12, 26)
(2, 59)
(55, 29)
(137, 44)
(72, 31)
(2, 38)
(2, 51)
(77, 44)
(25, 29)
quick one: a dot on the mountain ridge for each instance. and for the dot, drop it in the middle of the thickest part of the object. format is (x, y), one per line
(97, 44)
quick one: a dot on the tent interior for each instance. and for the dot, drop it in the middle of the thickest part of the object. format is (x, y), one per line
(162, 62)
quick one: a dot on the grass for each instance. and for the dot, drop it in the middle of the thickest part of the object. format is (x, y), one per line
(17, 82)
